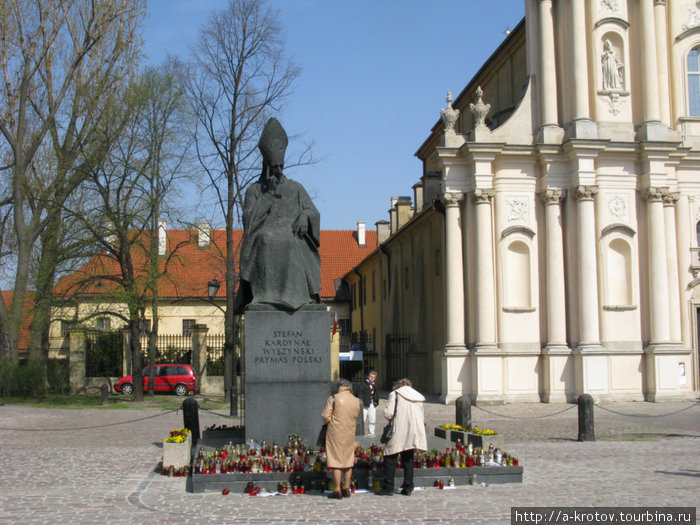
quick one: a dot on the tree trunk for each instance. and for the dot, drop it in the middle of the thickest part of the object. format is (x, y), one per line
(137, 364)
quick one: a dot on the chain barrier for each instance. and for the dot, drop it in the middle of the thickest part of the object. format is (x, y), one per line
(91, 427)
(216, 413)
(529, 417)
(693, 404)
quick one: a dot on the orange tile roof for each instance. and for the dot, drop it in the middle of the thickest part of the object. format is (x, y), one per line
(191, 268)
(25, 330)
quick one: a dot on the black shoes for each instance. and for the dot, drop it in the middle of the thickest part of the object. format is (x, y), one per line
(385, 492)
(346, 493)
(406, 491)
(335, 495)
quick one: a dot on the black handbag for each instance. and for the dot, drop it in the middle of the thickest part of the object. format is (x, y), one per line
(388, 431)
(321, 441)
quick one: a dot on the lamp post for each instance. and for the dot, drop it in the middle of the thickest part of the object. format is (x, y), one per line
(212, 289)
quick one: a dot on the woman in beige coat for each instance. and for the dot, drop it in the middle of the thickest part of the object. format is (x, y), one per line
(408, 435)
(341, 414)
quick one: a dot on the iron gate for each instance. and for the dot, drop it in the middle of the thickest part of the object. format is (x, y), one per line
(397, 348)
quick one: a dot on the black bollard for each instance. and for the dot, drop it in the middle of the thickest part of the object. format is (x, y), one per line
(463, 411)
(190, 416)
(105, 394)
(586, 429)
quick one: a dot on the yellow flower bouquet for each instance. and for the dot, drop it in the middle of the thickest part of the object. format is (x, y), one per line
(179, 435)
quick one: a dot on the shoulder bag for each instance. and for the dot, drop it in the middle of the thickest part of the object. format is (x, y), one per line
(321, 441)
(388, 431)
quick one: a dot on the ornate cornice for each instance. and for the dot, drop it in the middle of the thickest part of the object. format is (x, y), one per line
(452, 198)
(670, 199)
(655, 194)
(483, 196)
(553, 196)
(586, 193)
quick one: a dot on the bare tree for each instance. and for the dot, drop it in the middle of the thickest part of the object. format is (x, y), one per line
(61, 62)
(164, 120)
(240, 76)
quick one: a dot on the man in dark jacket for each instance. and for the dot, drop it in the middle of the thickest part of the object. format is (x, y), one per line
(368, 395)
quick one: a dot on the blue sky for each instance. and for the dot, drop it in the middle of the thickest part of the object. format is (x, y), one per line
(374, 77)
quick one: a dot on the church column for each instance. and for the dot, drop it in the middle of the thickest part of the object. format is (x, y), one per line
(684, 262)
(556, 353)
(591, 366)
(486, 362)
(650, 111)
(554, 249)
(454, 278)
(663, 353)
(485, 285)
(674, 306)
(547, 82)
(662, 60)
(589, 334)
(582, 126)
(658, 274)
(455, 376)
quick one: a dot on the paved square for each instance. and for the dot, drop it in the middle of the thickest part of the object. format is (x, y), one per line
(107, 472)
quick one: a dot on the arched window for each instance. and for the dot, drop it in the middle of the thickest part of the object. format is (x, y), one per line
(694, 82)
(697, 232)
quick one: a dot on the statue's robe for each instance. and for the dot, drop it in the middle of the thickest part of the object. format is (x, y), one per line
(278, 267)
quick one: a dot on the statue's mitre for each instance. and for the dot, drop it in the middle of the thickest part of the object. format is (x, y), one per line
(273, 142)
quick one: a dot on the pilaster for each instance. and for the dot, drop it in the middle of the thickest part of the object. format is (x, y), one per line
(454, 364)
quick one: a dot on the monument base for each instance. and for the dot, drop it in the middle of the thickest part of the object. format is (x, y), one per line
(236, 482)
(287, 372)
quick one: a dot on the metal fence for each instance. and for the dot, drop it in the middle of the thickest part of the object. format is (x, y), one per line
(215, 355)
(396, 353)
(356, 371)
(103, 354)
(170, 348)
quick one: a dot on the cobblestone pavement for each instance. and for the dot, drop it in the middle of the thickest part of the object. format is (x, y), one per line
(101, 466)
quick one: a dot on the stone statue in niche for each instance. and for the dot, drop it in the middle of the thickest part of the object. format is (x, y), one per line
(279, 264)
(613, 68)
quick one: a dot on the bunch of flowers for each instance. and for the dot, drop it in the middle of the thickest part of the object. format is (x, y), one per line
(453, 427)
(483, 431)
(179, 435)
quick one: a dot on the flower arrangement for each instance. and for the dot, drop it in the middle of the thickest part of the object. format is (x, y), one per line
(474, 430)
(179, 435)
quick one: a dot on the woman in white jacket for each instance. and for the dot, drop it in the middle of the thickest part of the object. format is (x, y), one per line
(408, 435)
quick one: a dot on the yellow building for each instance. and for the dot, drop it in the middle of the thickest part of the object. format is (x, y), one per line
(194, 260)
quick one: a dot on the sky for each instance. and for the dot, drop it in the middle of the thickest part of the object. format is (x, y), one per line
(374, 78)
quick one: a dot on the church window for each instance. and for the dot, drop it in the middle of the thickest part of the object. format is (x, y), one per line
(694, 82)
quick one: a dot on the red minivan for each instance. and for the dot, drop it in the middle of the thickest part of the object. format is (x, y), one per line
(180, 379)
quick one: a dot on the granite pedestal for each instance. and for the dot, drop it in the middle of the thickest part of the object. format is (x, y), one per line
(287, 372)
(236, 482)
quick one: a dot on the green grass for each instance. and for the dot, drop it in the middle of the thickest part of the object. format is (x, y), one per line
(78, 401)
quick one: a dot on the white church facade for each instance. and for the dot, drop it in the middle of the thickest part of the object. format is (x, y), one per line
(561, 198)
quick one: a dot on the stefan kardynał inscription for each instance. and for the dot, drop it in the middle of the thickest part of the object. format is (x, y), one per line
(287, 347)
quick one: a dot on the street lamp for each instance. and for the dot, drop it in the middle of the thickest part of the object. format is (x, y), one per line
(212, 289)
